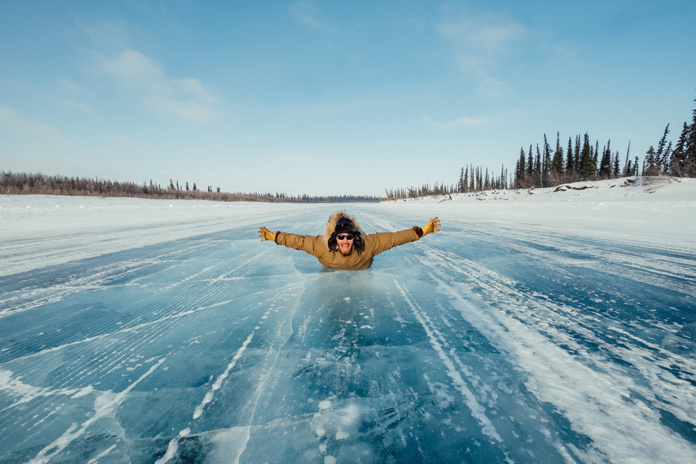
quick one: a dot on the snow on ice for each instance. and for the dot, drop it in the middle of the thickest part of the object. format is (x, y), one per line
(547, 325)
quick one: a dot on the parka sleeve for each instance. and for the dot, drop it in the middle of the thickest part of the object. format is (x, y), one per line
(383, 241)
(308, 243)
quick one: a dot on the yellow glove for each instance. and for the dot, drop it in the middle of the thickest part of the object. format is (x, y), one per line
(266, 234)
(433, 225)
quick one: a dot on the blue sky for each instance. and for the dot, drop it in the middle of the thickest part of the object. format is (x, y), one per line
(331, 98)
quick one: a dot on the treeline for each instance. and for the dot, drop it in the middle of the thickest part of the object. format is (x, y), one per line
(39, 184)
(547, 167)
(415, 192)
(471, 179)
(474, 180)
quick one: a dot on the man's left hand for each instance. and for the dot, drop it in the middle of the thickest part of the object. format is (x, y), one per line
(433, 225)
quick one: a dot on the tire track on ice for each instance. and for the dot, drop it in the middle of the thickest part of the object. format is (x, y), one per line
(109, 352)
(34, 295)
(661, 267)
(438, 344)
(599, 403)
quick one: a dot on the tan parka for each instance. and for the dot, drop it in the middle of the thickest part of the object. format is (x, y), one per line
(375, 244)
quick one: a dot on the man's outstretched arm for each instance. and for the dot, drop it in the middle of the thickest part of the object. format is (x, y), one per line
(383, 241)
(314, 245)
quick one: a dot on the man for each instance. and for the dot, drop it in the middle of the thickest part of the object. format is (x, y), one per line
(344, 246)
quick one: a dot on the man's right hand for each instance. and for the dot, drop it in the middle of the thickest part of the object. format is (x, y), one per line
(266, 234)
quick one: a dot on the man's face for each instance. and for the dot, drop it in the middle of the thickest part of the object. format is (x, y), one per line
(345, 243)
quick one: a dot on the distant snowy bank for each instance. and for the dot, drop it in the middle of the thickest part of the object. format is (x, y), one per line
(655, 210)
(39, 230)
(622, 189)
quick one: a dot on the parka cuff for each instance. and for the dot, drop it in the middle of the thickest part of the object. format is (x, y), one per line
(416, 229)
(276, 237)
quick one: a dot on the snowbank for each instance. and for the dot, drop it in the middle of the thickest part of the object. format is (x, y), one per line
(639, 210)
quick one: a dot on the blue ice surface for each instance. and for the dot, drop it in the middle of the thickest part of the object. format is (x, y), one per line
(480, 344)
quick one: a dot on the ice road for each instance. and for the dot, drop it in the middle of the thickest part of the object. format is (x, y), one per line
(496, 340)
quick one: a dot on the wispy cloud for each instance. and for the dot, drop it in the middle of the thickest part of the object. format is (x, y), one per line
(183, 98)
(480, 45)
(21, 124)
(308, 14)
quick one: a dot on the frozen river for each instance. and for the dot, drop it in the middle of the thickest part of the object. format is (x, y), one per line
(492, 341)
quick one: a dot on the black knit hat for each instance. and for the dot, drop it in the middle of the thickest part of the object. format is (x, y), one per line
(345, 226)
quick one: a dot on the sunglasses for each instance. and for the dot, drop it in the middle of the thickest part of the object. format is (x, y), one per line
(345, 236)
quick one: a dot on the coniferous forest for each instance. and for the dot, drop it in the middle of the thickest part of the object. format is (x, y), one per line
(541, 165)
(39, 184)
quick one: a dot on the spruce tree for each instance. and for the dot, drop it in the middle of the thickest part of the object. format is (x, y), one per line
(605, 164)
(537, 168)
(661, 156)
(546, 166)
(521, 170)
(690, 149)
(576, 155)
(628, 167)
(649, 168)
(677, 162)
(588, 168)
(557, 162)
(595, 155)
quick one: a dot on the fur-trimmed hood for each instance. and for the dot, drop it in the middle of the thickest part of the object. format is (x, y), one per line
(330, 235)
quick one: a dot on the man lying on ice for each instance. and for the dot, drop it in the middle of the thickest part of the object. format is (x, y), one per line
(344, 246)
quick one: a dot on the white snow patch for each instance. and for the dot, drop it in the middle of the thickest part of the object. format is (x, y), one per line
(326, 404)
